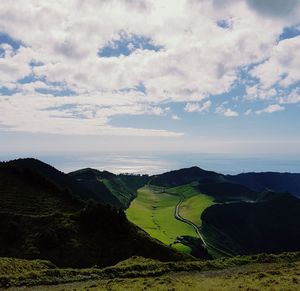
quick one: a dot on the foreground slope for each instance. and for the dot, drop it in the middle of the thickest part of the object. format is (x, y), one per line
(258, 272)
(40, 219)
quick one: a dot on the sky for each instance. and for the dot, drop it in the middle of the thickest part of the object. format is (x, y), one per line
(155, 76)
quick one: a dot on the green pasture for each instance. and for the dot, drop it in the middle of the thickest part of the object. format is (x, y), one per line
(192, 208)
(153, 211)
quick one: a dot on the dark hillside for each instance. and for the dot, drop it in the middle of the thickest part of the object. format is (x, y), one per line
(90, 180)
(23, 190)
(96, 235)
(277, 182)
(226, 192)
(41, 219)
(184, 176)
(271, 226)
(38, 170)
(119, 190)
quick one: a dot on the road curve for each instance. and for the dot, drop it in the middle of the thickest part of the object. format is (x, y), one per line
(180, 218)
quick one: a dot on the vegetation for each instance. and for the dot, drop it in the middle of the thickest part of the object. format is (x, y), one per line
(194, 202)
(257, 272)
(48, 225)
(16, 267)
(40, 220)
(183, 177)
(277, 182)
(153, 211)
(271, 226)
(37, 176)
(192, 208)
(116, 190)
(227, 192)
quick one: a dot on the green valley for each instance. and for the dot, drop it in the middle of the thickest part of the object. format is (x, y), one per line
(154, 211)
(189, 229)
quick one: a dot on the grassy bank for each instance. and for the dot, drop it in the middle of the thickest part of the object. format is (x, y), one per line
(257, 272)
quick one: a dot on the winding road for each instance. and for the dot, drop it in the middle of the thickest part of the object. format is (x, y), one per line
(182, 219)
(179, 217)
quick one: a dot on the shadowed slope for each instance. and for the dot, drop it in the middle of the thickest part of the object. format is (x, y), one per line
(277, 182)
(271, 226)
(42, 218)
(119, 190)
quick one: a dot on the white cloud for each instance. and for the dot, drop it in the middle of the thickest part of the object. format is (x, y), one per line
(77, 115)
(198, 59)
(248, 112)
(270, 109)
(282, 66)
(256, 92)
(226, 111)
(175, 117)
(196, 107)
(292, 98)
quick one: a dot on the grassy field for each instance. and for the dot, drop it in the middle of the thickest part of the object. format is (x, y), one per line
(257, 272)
(192, 208)
(153, 211)
(194, 202)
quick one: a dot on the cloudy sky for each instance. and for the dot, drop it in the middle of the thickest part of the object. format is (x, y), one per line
(209, 76)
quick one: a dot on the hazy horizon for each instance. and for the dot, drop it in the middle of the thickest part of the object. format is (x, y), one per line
(159, 163)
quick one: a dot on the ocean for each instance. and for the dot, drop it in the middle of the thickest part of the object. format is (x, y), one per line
(158, 163)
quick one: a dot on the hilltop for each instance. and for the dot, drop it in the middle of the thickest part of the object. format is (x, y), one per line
(117, 190)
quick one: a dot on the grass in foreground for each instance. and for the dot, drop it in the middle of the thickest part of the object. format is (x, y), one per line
(257, 272)
(153, 211)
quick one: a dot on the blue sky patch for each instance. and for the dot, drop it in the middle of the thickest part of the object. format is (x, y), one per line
(126, 45)
(56, 92)
(28, 79)
(59, 88)
(224, 23)
(5, 38)
(289, 32)
(7, 92)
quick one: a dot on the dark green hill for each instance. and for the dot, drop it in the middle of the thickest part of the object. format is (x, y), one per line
(95, 235)
(209, 183)
(224, 188)
(121, 189)
(277, 182)
(33, 172)
(228, 192)
(184, 176)
(271, 226)
(27, 187)
(41, 217)
(92, 181)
